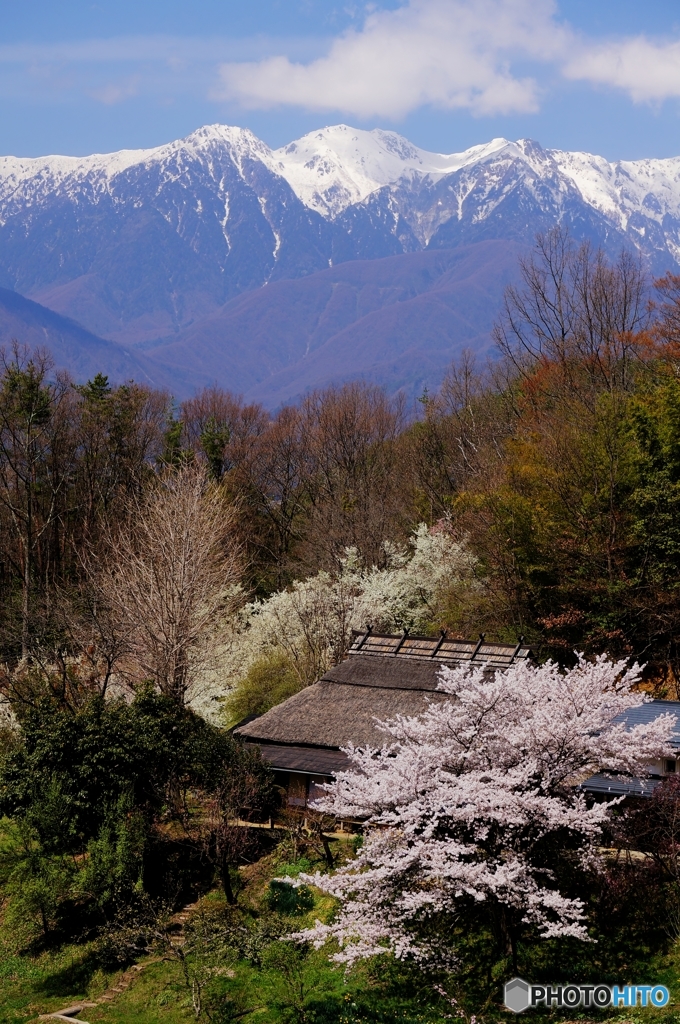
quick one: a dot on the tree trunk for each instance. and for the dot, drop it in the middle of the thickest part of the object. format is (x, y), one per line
(327, 849)
(196, 998)
(226, 880)
(179, 677)
(25, 605)
(26, 582)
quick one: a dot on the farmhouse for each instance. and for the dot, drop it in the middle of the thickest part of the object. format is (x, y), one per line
(384, 676)
(381, 677)
(607, 785)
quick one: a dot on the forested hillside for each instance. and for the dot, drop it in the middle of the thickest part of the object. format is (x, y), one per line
(166, 571)
(554, 466)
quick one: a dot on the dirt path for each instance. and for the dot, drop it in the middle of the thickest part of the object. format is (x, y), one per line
(70, 1013)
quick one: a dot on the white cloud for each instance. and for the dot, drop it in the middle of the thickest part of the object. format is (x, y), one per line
(117, 92)
(648, 71)
(449, 53)
(483, 56)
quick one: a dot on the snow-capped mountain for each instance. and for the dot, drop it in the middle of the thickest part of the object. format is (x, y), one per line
(32, 181)
(336, 167)
(138, 245)
(486, 188)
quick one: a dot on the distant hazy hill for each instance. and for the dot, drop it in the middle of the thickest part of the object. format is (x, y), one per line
(72, 347)
(175, 249)
(398, 321)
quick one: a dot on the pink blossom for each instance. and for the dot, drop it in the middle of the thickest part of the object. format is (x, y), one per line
(460, 801)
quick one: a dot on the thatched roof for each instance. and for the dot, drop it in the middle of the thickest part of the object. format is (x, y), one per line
(382, 677)
(329, 714)
(385, 673)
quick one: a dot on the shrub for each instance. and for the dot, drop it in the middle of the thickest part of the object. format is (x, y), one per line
(269, 681)
(293, 870)
(285, 898)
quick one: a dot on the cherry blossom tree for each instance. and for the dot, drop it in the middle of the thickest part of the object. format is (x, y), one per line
(474, 804)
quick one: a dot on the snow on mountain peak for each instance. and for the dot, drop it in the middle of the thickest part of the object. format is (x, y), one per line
(240, 141)
(338, 166)
(56, 168)
(332, 168)
(27, 180)
(618, 190)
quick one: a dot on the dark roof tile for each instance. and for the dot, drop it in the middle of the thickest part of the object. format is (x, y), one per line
(305, 760)
(619, 785)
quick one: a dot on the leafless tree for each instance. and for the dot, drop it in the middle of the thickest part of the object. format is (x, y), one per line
(575, 337)
(168, 581)
(243, 791)
(665, 330)
(276, 476)
(459, 438)
(218, 427)
(578, 311)
(354, 485)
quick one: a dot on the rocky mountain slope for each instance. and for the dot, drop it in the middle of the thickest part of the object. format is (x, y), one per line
(136, 246)
(140, 244)
(150, 248)
(496, 189)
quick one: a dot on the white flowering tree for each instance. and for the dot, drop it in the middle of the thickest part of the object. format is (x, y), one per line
(311, 622)
(474, 804)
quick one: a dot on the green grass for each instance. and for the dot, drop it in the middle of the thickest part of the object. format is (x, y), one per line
(314, 991)
(158, 994)
(30, 986)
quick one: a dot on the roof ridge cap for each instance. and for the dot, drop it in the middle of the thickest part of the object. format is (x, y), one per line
(285, 743)
(375, 686)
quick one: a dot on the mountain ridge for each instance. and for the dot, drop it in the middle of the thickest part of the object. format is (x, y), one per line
(152, 248)
(398, 321)
(369, 159)
(72, 347)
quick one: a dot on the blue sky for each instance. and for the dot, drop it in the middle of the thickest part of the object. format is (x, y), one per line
(96, 75)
